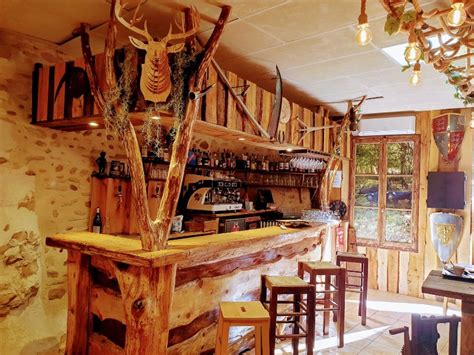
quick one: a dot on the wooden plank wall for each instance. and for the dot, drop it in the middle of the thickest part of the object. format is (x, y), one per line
(404, 272)
(218, 106)
(221, 108)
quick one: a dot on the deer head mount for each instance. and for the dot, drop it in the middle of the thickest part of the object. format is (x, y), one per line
(155, 81)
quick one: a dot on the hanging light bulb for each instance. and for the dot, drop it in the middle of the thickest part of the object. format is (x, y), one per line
(363, 34)
(415, 77)
(412, 52)
(457, 16)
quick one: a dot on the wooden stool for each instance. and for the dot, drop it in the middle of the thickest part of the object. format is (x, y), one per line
(361, 288)
(289, 285)
(243, 314)
(337, 305)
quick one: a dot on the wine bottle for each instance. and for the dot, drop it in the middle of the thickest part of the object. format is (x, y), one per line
(97, 223)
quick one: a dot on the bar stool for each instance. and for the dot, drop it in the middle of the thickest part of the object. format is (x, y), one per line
(327, 270)
(361, 289)
(243, 314)
(289, 285)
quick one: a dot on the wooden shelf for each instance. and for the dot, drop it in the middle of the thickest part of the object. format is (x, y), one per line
(154, 161)
(206, 128)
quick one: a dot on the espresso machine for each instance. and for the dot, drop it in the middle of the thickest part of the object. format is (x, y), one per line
(204, 193)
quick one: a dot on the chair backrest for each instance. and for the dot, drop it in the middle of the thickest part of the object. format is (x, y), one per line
(424, 334)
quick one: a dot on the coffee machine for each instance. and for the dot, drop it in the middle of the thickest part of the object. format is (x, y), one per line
(204, 193)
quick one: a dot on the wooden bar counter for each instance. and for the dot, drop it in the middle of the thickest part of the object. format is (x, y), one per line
(123, 299)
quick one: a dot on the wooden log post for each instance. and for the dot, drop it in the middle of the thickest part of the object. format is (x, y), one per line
(78, 288)
(154, 233)
(147, 294)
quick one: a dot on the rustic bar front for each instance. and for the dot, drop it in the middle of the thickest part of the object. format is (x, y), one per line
(123, 300)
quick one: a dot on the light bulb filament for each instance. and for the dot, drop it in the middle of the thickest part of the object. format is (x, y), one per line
(363, 34)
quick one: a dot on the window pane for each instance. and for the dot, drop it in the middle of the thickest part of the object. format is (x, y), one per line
(399, 192)
(365, 222)
(400, 158)
(367, 158)
(367, 191)
(398, 226)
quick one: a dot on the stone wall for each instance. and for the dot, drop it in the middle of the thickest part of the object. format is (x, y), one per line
(45, 188)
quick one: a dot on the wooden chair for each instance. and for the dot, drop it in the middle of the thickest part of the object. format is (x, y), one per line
(287, 286)
(243, 314)
(330, 304)
(361, 272)
(424, 334)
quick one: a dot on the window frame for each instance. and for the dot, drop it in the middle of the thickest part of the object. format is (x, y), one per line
(380, 241)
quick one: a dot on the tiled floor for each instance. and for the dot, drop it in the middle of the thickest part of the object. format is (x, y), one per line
(385, 311)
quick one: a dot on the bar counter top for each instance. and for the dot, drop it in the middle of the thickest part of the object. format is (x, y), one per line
(188, 251)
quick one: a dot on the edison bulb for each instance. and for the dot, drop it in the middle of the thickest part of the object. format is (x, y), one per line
(363, 34)
(457, 15)
(415, 78)
(412, 52)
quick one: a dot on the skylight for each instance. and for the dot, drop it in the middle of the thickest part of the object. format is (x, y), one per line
(397, 52)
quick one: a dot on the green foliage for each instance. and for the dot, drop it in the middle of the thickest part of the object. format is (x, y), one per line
(406, 67)
(367, 158)
(454, 76)
(408, 16)
(393, 24)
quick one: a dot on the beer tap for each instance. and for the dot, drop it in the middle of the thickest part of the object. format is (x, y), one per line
(119, 194)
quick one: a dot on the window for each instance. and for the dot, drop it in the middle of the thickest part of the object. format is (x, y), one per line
(388, 167)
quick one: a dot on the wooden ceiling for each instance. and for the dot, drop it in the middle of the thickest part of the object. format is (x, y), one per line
(312, 41)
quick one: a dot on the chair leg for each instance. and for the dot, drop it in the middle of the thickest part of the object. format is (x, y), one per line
(310, 320)
(273, 313)
(341, 286)
(263, 289)
(266, 338)
(327, 304)
(258, 339)
(219, 336)
(224, 339)
(365, 283)
(296, 329)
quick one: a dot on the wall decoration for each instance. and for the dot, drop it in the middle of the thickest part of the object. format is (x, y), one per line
(155, 81)
(446, 234)
(448, 133)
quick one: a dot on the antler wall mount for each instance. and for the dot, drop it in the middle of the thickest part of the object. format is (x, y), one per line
(155, 81)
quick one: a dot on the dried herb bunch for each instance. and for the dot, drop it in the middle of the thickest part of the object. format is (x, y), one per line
(183, 66)
(118, 100)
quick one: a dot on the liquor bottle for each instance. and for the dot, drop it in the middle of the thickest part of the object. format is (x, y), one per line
(144, 150)
(166, 155)
(97, 222)
(198, 157)
(216, 160)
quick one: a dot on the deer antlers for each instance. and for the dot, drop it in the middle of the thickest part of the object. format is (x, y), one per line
(144, 32)
(131, 26)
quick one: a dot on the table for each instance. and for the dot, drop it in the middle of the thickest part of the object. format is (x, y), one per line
(436, 284)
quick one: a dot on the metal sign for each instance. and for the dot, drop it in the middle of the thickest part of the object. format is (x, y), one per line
(448, 133)
(446, 234)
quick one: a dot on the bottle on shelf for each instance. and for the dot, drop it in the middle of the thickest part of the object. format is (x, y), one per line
(144, 149)
(97, 222)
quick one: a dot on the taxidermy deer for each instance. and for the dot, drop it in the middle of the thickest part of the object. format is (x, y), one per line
(155, 81)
